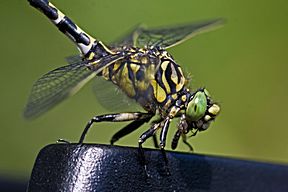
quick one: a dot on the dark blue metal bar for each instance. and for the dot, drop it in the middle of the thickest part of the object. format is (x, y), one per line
(87, 167)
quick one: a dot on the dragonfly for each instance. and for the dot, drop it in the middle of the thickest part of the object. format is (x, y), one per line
(141, 68)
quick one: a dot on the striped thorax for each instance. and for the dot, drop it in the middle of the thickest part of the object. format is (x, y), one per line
(150, 76)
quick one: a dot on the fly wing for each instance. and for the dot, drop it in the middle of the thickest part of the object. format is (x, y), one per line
(168, 36)
(58, 84)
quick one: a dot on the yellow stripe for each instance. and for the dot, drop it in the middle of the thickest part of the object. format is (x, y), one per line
(134, 68)
(105, 73)
(159, 93)
(91, 56)
(180, 85)
(174, 96)
(174, 76)
(116, 66)
(125, 83)
(164, 66)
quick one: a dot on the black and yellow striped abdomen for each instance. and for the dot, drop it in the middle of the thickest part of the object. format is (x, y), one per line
(151, 77)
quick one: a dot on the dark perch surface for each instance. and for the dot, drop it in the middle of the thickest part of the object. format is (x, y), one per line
(87, 167)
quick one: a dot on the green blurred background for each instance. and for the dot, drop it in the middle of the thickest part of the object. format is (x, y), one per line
(244, 66)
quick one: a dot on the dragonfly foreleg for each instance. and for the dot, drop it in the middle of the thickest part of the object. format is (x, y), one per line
(184, 138)
(118, 117)
(176, 139)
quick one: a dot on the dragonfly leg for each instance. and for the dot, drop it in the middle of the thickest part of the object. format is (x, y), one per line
(154, 137)
(184, 138)
(176, 139)
(163, 135)
(147, 134)
(155, 141)
(118, 117)
(144, 118)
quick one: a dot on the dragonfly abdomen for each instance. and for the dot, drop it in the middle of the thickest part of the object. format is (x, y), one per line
(85, 43)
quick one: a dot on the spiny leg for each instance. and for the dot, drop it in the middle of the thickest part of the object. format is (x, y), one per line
(181, 131)
(176, 139)
(163, 136)
(154, 137)
(194, 133)
(131, 127)
(155, 141)
(149, 133)
(118, 117)
(184, 138)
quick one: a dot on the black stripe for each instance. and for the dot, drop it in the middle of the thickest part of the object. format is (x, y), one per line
(131, 74)
(43, 5)
(140, 74)
(67, 26)
(158, 78)
(168, 74)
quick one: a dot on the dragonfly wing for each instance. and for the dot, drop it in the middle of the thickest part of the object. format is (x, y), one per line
(169, 37)
(112, 97)
(130, 38)
(57, 85)
(73, 59)
(99, 65)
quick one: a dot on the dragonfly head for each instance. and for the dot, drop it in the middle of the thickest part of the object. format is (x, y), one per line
(201, 110)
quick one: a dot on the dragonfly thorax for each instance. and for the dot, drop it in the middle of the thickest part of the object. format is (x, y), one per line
(150, 76)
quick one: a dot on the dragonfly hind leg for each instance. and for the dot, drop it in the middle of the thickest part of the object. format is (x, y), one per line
(131, 127)
(138, 117)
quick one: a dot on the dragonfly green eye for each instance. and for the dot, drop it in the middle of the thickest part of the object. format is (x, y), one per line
(197, 107)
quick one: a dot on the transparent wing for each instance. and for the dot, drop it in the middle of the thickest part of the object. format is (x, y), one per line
(168, 36)
(57, 85)
(73, 59)
(129, 38)
(112, 97)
